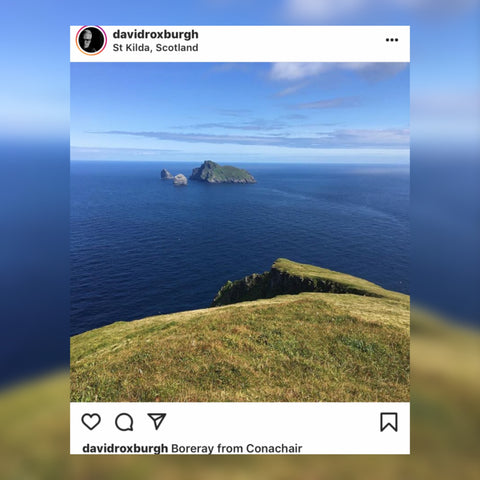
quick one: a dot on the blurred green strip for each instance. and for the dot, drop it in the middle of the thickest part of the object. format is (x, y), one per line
(34, 434)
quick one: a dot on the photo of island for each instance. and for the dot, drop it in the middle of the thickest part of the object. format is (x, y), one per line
(240, 232)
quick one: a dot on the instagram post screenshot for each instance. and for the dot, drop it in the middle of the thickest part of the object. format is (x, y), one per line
(239, 240)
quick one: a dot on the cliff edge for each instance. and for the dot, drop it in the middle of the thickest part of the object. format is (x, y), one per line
(290, 278)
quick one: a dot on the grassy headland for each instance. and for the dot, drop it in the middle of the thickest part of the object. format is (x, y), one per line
(311, 346)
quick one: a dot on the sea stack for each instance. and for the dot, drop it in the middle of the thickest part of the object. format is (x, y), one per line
(180, 180)
(166, 175)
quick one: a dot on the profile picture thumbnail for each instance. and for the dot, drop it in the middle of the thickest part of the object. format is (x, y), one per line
(91, 40)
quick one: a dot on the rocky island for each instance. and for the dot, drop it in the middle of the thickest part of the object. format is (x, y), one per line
(211, 172)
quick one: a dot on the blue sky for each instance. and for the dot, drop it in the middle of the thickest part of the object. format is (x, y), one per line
(445, 69)
(243, 112)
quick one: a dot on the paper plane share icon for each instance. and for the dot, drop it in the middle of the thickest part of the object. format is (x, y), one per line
(157, 419)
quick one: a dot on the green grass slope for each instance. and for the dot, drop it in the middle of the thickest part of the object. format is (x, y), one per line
(311, 346)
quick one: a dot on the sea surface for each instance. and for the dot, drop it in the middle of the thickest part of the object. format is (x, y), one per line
(140, 246)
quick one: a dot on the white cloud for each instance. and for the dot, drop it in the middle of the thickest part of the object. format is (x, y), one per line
(291, 90)
(337, 102)
(389, 136)
(295, 71)
(344, 138)
(117, 153)
(375, 72)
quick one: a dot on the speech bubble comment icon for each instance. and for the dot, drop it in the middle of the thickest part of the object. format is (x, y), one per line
(124, 422)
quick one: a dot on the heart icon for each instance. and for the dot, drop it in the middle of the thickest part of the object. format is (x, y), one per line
(91, 420)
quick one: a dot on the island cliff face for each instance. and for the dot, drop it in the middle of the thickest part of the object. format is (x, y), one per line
(290, 278)
(211, 172)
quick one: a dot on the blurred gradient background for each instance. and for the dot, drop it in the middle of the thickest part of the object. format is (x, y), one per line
(445, 214)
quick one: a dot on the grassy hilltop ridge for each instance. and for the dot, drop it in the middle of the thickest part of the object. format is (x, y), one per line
(311, 346)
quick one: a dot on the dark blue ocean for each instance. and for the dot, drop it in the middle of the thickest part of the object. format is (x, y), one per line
(140, 246)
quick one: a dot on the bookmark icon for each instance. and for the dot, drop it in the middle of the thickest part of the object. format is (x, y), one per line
(157, 419)
(389, 419)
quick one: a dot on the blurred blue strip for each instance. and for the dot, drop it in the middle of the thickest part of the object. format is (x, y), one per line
(445, 216)
(34, 257)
